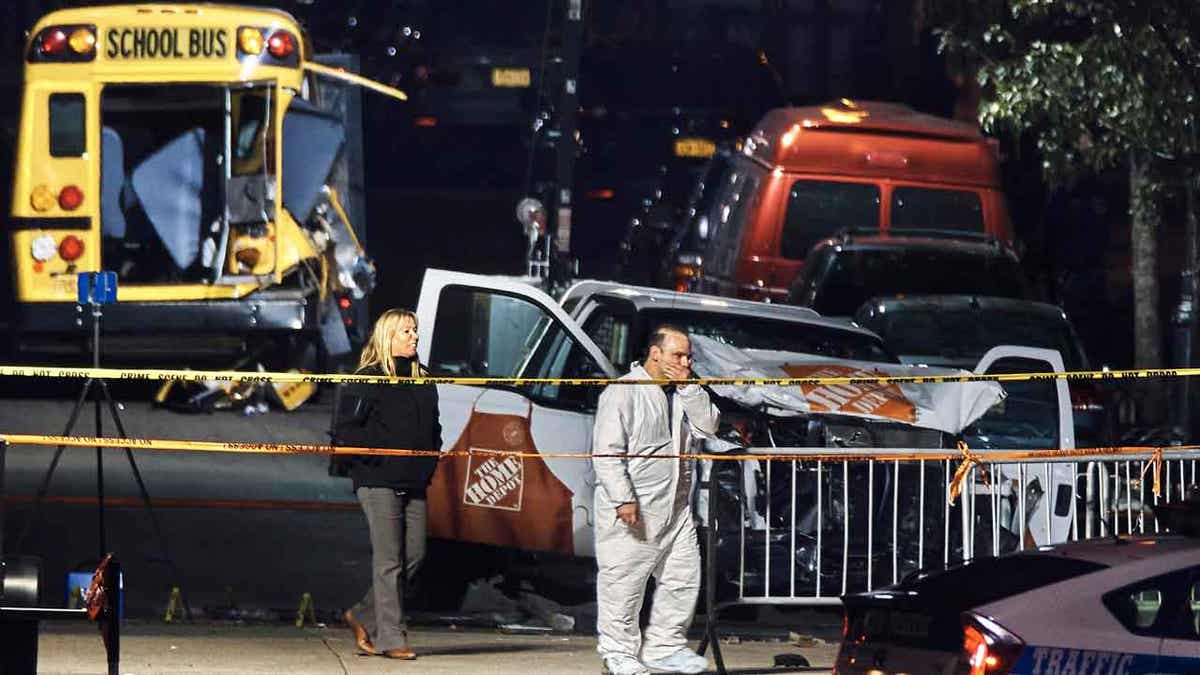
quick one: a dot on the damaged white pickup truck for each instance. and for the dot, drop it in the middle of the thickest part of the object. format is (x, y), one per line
(479, 326)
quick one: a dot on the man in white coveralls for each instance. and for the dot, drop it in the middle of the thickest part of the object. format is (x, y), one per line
(643, 513)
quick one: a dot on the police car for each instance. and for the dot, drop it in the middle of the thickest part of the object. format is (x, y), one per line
(1113, 606)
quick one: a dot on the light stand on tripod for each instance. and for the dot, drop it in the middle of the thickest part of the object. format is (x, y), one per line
(97, 289)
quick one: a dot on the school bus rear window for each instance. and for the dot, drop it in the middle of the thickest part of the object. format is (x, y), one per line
(67, 129)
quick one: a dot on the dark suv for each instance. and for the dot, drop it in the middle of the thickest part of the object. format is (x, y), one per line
(844, 271)
(955, 331)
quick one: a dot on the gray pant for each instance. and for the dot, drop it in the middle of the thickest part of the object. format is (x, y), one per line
(393, 534)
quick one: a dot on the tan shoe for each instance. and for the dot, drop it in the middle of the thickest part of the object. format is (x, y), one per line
(361, 637)
(402, 653)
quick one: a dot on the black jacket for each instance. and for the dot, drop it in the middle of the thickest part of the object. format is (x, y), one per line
(390, 416)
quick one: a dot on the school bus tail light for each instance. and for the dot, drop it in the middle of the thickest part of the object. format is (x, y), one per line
(42, 248)
(250, 41)
(70, 197)
(249, 257)
(64, 43)
(82, 40)
(281, 44)
(268, 46)
(42, 198)
(54, 41)
(345, 306)
(70, 248)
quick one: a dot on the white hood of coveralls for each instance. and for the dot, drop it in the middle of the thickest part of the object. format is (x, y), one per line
(947, 407)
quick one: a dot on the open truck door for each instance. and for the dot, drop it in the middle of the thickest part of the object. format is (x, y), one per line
(478, 326)
(1035, 415)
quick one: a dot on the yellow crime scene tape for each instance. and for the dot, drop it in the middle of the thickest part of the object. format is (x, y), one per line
(969, 459)
(347, 378)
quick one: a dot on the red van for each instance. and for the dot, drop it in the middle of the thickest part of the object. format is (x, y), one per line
(806, 173)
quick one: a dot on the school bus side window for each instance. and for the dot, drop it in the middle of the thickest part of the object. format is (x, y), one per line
(68, 137)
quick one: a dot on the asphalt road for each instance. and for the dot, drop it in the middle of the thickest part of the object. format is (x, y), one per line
(252, 531)
(148, 648)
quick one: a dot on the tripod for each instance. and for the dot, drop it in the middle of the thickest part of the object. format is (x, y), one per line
(100, 394)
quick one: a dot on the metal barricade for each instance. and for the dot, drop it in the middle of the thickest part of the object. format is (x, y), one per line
(786, 530)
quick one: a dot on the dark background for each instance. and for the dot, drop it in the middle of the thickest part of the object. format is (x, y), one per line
(444, 195)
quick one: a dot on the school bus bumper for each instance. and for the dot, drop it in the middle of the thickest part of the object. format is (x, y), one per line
(261, 312)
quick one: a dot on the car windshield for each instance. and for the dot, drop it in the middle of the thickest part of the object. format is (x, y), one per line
(758, 333)
(967, 335)
(855, 275)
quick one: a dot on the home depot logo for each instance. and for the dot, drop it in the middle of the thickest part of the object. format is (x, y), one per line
(876, 399)
(495, 482)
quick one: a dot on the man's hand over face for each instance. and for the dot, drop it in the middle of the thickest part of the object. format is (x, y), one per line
(675, 371)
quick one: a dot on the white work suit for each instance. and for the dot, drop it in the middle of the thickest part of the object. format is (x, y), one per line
(632, 421)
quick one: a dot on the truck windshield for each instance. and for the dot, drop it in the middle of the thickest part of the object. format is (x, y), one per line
(621, 334)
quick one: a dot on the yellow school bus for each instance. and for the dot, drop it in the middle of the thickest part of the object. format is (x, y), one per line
(184, 147)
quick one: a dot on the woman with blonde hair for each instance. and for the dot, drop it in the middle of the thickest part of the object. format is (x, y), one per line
(390, 489)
